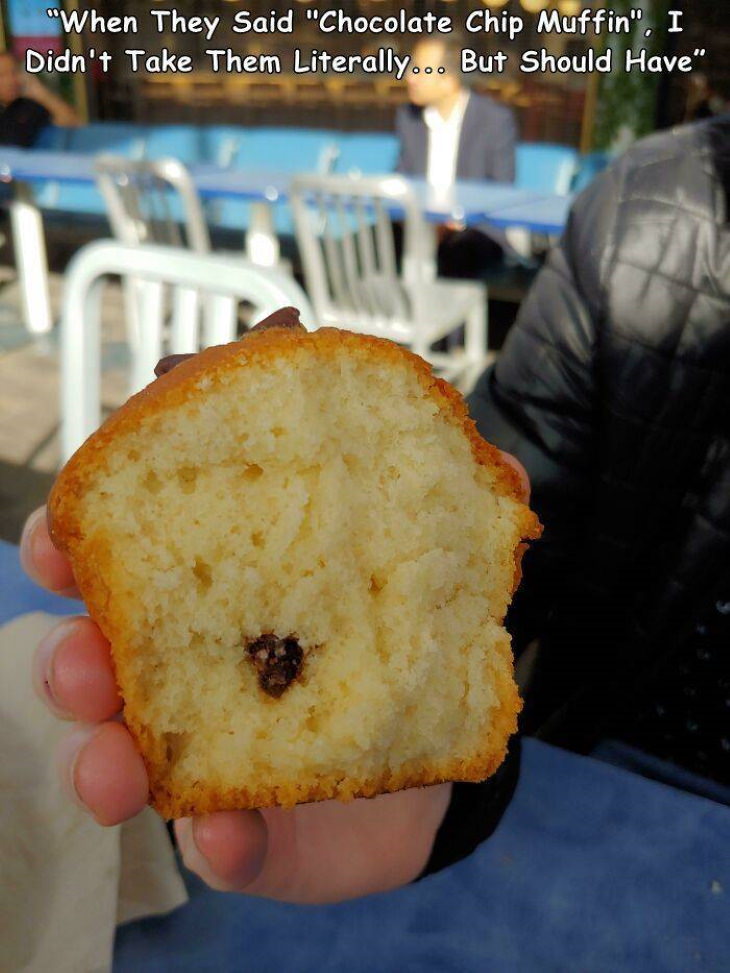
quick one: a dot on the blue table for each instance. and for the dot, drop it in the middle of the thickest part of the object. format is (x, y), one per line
(468, 202)
(18, 594)
(592, 868)
(547, 215)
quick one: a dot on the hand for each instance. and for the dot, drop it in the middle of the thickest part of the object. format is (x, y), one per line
(445, 231)
(314, 853)
(323, 852)
(61, 112)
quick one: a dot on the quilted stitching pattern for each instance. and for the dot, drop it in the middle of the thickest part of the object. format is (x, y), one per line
(614, 390)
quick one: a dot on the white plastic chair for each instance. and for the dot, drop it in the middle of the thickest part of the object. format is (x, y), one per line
(168, 278)
(152, 201)
(344, 231)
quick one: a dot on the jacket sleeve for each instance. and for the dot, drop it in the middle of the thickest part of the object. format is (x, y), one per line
(504, 142)
(539, 401)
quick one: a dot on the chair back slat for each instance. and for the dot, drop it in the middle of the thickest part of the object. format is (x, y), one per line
(384, 240)
(331, 271)
(345, 235)
(356, 293)
(152, 201)
(366, 248)
(184, 320)
(345, 232)
(151, 304)
(219, 318)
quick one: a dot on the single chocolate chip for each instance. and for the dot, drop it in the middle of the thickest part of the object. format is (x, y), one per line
(285, 317)
(277, 661)
(167, 364)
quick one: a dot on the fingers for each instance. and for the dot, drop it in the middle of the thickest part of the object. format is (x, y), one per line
(524, 479)
(73, 673)
(43, 562)
(102, 772)
(227, 850)
(100, 767)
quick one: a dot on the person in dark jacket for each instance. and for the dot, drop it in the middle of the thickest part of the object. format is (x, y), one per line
(27, 106)
(447, 132)
(613, 389)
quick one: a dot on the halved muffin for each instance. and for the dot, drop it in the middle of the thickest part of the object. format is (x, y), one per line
(301, 553)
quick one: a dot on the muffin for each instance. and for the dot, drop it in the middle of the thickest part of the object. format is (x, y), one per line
(301, 553)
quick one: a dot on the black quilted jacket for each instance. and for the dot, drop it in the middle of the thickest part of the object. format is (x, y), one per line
(614, 390)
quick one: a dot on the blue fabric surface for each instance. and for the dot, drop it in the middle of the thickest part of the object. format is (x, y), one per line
(18, 594)
(592, 868)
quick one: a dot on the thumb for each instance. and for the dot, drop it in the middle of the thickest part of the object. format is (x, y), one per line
(227, 849)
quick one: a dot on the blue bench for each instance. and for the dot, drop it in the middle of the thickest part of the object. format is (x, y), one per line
(279, 149)
(366, 153)
(589, 166)
(119, 138)
(546, 168)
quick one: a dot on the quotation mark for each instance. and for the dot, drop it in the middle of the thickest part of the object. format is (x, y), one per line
(53, 12)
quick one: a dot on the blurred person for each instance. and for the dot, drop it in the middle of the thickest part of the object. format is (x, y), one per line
(27, 105)
(613, 389)
(705, 99)
(448, 132)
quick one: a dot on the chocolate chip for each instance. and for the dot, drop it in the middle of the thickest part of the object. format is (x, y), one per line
(277, 661)
(167, 364)
(285, 317)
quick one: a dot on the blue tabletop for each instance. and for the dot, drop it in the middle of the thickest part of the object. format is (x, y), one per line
(546, 215)
(471, 202)
(592, 868)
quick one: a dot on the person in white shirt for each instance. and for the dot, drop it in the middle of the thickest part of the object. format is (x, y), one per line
(447, 132)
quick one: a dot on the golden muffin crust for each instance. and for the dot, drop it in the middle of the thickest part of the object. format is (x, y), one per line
(301, 552)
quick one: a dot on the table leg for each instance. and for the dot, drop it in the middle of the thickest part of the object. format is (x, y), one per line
(32, 262)
(262, 244)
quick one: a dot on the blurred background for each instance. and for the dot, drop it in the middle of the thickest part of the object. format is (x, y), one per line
(568, 127)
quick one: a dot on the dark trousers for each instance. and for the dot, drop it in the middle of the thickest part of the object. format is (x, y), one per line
(466, 253)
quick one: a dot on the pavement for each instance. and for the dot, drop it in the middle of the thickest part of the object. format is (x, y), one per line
(29, 398)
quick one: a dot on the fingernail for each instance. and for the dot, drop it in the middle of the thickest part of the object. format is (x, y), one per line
(26, 542)
(192, 855)
(196, 857)
(67, 756)
(43, 664)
